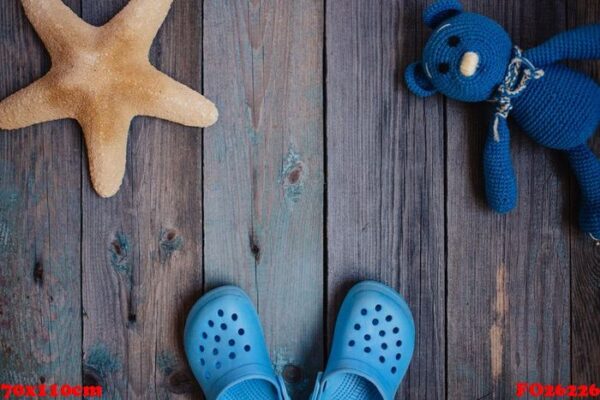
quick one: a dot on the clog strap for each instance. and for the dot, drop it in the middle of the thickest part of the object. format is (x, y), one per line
(317, 390)
(242, 374)
(357, 368)
(246, 373)
(282, 388)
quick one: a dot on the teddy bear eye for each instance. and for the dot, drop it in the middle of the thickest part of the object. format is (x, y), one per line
(444, 68)
(453, 41)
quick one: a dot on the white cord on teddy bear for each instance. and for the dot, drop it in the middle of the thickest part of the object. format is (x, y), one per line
(520, 71)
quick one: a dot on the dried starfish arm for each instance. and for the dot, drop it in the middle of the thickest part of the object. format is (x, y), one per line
(56, 24)
(140, 20)
(32, 105)
(106, 141)
(101, 76)
(165, 98)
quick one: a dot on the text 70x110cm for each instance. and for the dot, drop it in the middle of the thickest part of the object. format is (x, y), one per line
(42, 390)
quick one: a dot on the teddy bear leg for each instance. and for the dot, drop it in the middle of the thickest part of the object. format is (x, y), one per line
(586, 166)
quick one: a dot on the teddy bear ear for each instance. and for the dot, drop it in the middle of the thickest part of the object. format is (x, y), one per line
(440, 11)
(417, 81)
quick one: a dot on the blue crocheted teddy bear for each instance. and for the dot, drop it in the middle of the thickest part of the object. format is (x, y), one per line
(471, 58)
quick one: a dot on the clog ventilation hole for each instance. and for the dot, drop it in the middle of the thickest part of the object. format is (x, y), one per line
(377, 336)
(222, 341)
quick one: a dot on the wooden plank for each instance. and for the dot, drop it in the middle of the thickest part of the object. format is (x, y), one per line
(264, 170)
(508, 297)
(142, 260)
(40, 318)
(585, 255)
(385, 157)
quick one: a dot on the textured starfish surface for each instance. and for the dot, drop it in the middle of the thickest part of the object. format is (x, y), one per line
(102, 77)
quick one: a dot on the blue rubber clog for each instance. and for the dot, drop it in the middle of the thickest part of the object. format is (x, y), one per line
(372, 346)
(226, 349)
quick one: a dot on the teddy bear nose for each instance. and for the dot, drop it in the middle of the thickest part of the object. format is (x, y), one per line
(469, 64)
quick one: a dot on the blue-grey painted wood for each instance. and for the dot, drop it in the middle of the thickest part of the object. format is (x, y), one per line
(385, 174)
(402, 172)
(508, 291)
(142, 249)
(585, 255)
(40, 319)
(263, 170)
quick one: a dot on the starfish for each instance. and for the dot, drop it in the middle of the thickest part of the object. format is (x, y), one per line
(102, 77)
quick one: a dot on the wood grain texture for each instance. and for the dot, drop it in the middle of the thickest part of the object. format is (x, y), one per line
(385, 174)
(585, 255)
(40, 320)
(264, 170)
(97, 291)
(142, 249)
(508, 290)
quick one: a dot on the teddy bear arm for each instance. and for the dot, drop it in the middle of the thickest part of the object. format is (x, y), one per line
(582, 43)
(500, 180)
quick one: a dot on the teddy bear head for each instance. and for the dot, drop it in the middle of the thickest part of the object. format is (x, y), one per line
(465, 58)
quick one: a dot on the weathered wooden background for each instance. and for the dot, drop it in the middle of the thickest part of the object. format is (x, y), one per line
(322, 171)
